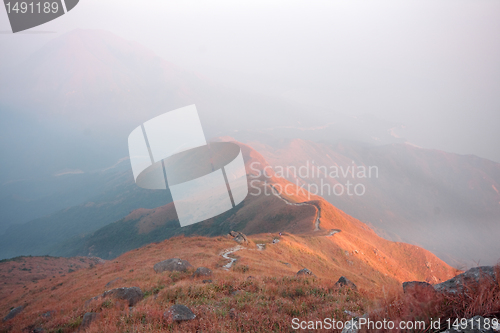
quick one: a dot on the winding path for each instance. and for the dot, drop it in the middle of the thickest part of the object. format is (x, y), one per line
(225, 254)
(318, 211)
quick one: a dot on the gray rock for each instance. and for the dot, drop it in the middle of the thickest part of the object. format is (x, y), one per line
(172, 265)
(113, 282)
(421, 291)
(475, 325)
(239, 237)
(207, 281)
(132, 295)
(471, 277)
(179, 312)
(305, 272)
(14, 312)
(88, 318)
(202, 272)
(48, 314)
(345, 282)
(276, 240)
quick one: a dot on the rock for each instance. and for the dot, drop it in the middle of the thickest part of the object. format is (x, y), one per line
(236, 293)
(202, 271)
(304, 271)
(88, 318)
(113, 282)
(276, 240)
(239, 237)
(345, 282)
(179, 312)
(475, 325)
(469, 278)
(207, 281)
(421, 291)
(14, 312)
(48, 314)
(172, 265)
(132, 295)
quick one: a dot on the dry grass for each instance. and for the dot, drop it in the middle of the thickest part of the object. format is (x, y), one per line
(266, 302)
(481, 298)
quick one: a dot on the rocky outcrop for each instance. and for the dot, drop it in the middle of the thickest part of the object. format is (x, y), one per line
(345, 282)
(171, 265)
(202, 272)
(470, 278)
(421, 291)
(131, 295)
(239, 237)
(14, 312)
(179, 312)
(305, 272)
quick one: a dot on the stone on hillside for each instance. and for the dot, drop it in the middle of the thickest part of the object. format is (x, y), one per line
(14, 312)
(202, 272)
(171, 265)
(239, 237)
(345, 282)
(305, 272)
(469, 278)
(179, 312)
(48, 314)
(207, 281)
(88, 318)
(421, 291)
(113, 282)
(132, 295)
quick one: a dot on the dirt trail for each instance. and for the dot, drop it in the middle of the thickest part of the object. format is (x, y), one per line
(318, 211)
(225, 254)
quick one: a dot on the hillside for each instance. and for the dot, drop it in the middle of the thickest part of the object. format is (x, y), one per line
(419, 196)
(273, 286)
(268, 212)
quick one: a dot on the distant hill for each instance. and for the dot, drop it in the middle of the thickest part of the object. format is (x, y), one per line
(447, 203)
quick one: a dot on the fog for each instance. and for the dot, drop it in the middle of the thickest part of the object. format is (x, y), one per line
(430, 66)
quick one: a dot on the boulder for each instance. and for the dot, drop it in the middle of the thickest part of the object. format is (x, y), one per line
(172, 265)
(239, 237)
(421, 291)
(14, 312)
(345, 282)
(202, 272)
(179, 312)
(207, 281)
(305, 272)
(470, 278)
(132, 295)
(88, 318)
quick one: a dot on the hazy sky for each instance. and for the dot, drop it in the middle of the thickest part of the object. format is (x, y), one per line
(432, 65)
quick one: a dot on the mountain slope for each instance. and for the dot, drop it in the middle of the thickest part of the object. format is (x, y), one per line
(273, 285)
(268, 211)
(445, 202)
